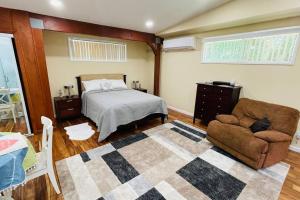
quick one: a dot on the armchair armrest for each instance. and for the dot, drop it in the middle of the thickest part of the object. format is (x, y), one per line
(273, 136)
(228, 119)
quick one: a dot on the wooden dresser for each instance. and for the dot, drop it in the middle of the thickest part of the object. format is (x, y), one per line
(67, 107)
(212, 100)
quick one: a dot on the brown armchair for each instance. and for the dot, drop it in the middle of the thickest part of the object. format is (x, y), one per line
(261, 149)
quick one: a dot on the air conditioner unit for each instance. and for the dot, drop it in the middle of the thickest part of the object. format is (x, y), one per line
(183, 43)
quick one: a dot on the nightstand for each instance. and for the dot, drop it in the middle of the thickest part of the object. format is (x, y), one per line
(141, 89)
(67, 107)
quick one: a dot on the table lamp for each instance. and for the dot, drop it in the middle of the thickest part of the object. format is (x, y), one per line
(69, 87)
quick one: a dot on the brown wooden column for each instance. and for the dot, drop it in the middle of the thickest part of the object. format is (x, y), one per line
(38, 39)
(29, 46)
(157, 60)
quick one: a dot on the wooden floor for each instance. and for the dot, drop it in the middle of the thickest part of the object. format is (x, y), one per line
(41, 188)
(9, 125)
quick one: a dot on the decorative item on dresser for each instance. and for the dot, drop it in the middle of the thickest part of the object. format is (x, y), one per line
(141, 89)
(67, 107)
(69, 88)
(212, 100)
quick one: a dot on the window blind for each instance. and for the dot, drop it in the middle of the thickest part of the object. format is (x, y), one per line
(264, 47)
(96, 50)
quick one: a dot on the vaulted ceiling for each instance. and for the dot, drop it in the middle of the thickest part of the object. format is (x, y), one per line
(130, 14)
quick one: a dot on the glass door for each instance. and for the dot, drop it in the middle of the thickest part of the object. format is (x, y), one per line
(13, 113)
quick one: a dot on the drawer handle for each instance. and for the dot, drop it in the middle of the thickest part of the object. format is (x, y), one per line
(68, 101)
(71, 109)
(219, 106)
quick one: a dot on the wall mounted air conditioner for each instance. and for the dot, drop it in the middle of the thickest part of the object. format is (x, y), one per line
(183, 43)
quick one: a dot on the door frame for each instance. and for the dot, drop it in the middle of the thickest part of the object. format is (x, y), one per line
(20, 84)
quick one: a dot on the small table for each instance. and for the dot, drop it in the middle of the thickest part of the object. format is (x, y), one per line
(141, 89)
(67, 107)
(16, 160)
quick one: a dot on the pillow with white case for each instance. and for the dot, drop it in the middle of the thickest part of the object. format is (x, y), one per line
(92, 84)
(118, 84)
(106, 85)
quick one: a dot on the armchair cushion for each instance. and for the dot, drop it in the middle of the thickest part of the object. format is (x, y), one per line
(273, 136)
(246, 122)
(228, 119)
(237, 138)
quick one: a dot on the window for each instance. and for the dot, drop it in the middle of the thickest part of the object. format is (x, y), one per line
(96, 50)
(278, 46)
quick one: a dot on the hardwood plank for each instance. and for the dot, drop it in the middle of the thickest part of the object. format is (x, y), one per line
(8, 125)
(41, 188)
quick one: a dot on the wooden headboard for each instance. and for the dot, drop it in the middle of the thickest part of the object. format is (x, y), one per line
(88, 77)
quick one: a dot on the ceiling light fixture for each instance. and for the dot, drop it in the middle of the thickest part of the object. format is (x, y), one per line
(56, 3)
(149, 23)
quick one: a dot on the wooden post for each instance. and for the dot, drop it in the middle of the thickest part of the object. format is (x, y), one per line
(157, 57)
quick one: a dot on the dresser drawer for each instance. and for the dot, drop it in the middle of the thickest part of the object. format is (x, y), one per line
(70, 112)
(223, 91)
(223, 99)
(201, 113)
(206, 96)
(222, 110)
(69, 103)
(204, 89)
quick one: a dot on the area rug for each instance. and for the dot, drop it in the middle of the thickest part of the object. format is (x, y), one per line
(80, 131)
(170, 161)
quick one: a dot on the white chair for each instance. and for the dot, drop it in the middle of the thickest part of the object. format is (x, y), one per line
(45, 164)
(6, 104)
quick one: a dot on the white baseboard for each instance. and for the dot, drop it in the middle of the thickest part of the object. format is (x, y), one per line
(181, 111)
(294, 148)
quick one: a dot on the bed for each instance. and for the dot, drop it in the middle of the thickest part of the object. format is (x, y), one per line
(113, 108)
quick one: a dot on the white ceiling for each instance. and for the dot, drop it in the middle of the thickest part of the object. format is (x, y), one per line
(130, 14)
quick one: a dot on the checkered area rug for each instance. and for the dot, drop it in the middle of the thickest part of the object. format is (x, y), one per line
(171, 161)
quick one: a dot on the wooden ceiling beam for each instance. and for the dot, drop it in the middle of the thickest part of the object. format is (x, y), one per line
(78, 27)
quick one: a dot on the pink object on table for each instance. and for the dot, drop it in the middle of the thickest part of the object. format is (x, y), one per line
(4, 144)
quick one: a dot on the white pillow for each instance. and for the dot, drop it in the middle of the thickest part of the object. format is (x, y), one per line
(92, 85)
(105, 85)
(118, 84)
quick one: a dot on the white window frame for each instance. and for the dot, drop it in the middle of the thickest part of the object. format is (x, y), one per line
(270, 32)
(87, 56)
